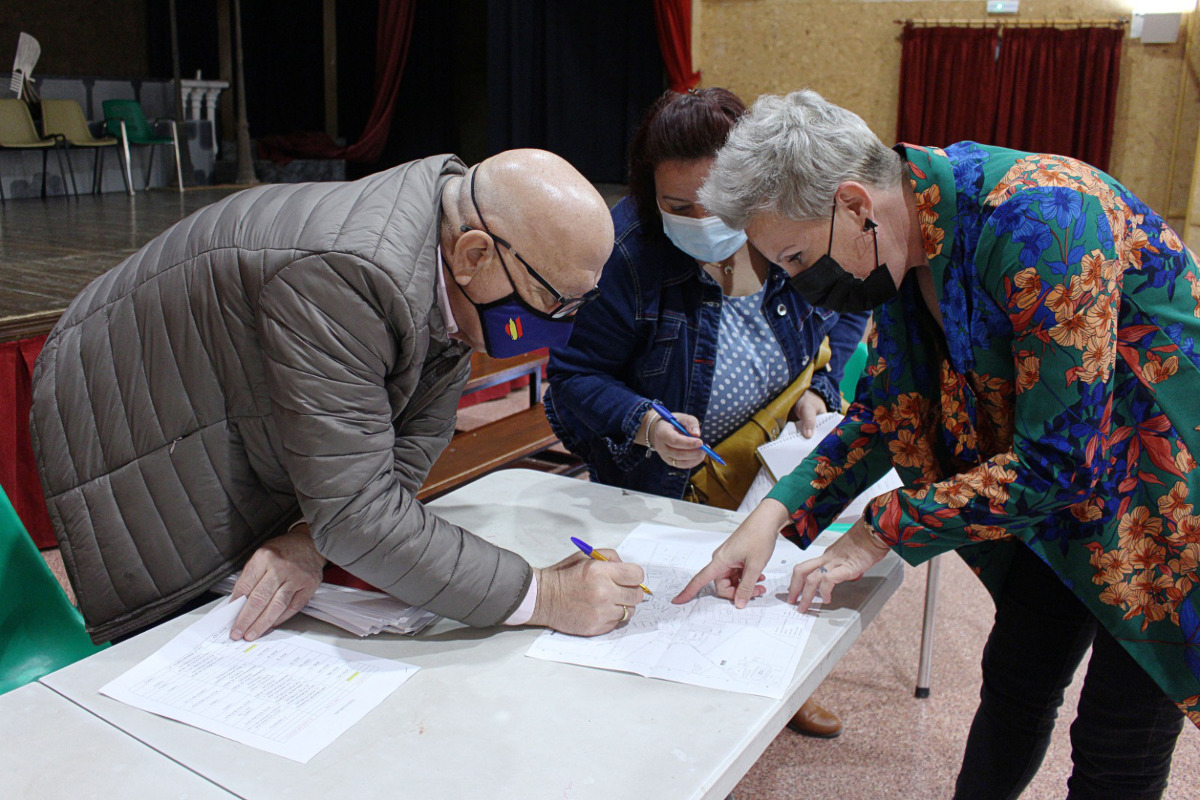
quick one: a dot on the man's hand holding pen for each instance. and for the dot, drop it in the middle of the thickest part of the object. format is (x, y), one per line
(587, 597)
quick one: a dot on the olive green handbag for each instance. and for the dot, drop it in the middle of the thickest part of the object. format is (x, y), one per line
(725, 486)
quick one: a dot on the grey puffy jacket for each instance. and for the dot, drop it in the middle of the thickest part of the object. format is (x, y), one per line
(280, 347)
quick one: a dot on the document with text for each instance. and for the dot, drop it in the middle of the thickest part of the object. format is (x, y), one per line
(282, 693)
(707, 642)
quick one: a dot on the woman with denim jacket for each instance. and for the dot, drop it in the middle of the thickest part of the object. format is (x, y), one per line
(689, 316)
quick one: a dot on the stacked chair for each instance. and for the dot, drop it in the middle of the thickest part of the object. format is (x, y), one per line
(64, 119)
(17, 132)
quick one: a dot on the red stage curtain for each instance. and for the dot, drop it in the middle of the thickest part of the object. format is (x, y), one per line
(392, 36)
(1059, 91)
(673, 18)
(18, 471)
(391, 50)
(948, 77)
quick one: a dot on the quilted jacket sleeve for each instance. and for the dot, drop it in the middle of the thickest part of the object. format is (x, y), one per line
(420, 437)
(332, 328)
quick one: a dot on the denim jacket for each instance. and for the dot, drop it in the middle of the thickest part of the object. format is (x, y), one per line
(652, 335)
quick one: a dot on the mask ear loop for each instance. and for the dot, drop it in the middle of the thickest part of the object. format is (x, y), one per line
(832, 220)
(870, 225)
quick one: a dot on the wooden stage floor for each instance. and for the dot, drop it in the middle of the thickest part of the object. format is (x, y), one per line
(50, 249)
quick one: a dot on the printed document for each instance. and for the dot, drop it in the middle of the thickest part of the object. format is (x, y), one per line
(281, 693)
(707, 642)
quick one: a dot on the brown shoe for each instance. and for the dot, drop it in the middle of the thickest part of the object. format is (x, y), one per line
(812, 720)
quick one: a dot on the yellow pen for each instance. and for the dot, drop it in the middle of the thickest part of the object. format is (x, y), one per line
(588, 550)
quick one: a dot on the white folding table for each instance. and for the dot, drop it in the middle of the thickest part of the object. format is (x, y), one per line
(55, 749)
(481, 719)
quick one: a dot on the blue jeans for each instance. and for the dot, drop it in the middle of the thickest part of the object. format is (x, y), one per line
(1124, 735)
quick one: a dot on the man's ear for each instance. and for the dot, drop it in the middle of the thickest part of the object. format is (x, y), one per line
(857, 200)
(472, 253)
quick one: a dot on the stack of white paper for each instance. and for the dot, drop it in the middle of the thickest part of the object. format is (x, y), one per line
(359, 612)
(784, 454)
(282, 693)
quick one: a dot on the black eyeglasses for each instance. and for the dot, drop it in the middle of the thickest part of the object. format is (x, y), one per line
(565, 305)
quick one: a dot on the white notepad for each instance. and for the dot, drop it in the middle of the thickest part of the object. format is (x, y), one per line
(784, 454)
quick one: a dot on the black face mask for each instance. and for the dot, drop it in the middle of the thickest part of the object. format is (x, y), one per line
(827, 285)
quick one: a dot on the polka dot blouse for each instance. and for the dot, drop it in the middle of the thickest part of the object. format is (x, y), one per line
(751, 369)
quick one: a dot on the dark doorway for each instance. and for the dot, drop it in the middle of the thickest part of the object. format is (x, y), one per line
(573, 78)
(441, 106)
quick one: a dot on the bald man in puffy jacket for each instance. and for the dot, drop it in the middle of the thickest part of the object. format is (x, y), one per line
(297, 352)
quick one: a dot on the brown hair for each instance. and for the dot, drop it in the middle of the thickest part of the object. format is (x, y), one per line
(681, 127)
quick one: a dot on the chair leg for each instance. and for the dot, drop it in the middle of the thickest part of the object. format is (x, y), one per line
(97, 171)
(127, 174)
(175, 144)
(926, 665)
(60, 153)
(44, 154)
(149, 167)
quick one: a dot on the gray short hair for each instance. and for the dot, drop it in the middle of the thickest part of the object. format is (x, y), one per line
(787, 156)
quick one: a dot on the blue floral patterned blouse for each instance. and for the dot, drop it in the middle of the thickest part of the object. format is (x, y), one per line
(1062, 408)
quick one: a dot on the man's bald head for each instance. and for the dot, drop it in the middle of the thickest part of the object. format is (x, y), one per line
(548, 212)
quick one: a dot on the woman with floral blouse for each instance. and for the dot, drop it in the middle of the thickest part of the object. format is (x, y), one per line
(1034, 378)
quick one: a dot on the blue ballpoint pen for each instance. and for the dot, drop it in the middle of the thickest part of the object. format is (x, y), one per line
(669, 417)
(589, 551)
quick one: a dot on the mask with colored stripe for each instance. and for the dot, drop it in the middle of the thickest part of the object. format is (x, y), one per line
(512, 327)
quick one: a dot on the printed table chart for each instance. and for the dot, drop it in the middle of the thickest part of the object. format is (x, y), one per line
(480, 719)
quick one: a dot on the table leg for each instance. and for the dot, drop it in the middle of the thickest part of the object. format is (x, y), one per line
(926, 665)
(535, 387)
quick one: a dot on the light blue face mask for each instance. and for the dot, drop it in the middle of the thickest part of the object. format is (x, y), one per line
(706, 239)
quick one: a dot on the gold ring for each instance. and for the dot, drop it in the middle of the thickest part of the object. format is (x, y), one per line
(624, 614)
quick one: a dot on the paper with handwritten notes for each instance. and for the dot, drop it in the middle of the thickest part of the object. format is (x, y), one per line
(707, 642)
(283, 693)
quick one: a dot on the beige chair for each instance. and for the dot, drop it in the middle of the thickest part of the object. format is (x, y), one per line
(18, 133)
(64, 118)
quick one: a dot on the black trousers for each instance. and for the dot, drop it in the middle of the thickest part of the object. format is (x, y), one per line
(1124, 735)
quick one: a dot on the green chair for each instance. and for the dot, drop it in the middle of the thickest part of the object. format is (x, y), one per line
(854, 370)
(64, 119)
(40, 631)
(127, 122)
(17, 132)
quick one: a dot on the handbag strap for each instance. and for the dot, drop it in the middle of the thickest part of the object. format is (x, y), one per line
(779, 407)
